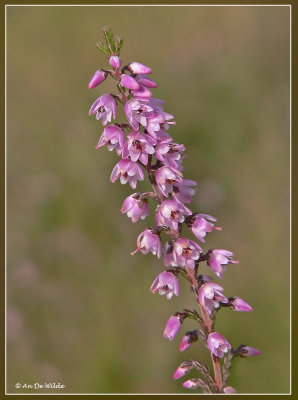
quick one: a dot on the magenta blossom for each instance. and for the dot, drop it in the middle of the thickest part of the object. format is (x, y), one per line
(113, 136)
(104, 107)
(98, 77)
(238, 304)
(115, 62)
(170, 213)
(247, 351)
(217, 344)
(229, 390)
(166, 283)
(142, 92)
(137, 112)
(157, 121)
(183, 369)
(129, 82)
(200, 225)
(189, 338)
(138, 147)
(172, 327)
(210, 296)
(218, 259)
(135, 208)
(166, 178)
(138, 68)
(183, 191)
(148, 241)
(186, 252)
(127, 171)
(146, 81)
(169, 153)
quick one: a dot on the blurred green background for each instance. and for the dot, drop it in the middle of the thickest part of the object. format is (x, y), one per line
(79, 307)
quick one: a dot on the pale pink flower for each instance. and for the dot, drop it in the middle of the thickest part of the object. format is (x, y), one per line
(148, 242)
(113, 136)
(172, 327)
(166, 283)
(183, 191)
(170, 213)
(200, 225)
(115, 62)
(217, 344)
(138, 147)
(218, 259)
(186, 252)
(127, 171)
(238, 304)
(210, 296)
(104, 107)
(135, 208)
(166, 178)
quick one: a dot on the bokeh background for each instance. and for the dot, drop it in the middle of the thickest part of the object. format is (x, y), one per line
(79, 307)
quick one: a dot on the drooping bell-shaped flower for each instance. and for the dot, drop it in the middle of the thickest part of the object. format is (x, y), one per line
(166, 283)
(217, 344)
(166, 178)
(172, 327)
(113, 137)
(135, 208)
(210, 296)
(148, 242)
(104, 107)
(170, 213)
(218, 259)
(127, 171)
(200, 225)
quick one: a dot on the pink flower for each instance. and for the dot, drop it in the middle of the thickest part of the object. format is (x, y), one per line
(137, 68)
(141, 92)
(218, 259)
(186, 252)
(238, 304)
(169, 153)
(115, 62)
(138, 146)
(192, 383)
(166, 178)
(148, 241)
(210, 296)
(98, 77)
(247, 351)
(166, 283)
(200, 225)
(129, 82)
(189, 338)
(113, 136)
(183, 191)
(146, 81)
(104, 107)
(137, 112)
(229, 390)
(169, 257)
(135, 208)
(127, 171)
(217, 344)
(172, 327)
(157, 121)
(183, 369)
(170, 213)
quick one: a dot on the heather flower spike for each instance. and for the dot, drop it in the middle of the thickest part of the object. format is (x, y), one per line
(146, 149)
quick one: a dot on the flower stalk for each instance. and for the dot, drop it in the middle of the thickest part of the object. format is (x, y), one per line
(147, 150)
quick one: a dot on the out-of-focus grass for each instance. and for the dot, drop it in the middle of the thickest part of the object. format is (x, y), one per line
(79, 307)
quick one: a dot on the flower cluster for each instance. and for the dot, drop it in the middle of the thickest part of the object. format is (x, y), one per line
(146, 149)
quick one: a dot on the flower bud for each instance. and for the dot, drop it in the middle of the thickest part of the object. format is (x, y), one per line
(97, 78)
(129, 82)
(217, 344)
(229, 390)
(246, 351)
(137, 68)
(115, 62)
(238, 304)
(183, 369)
(172, 327)
(189, 338)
